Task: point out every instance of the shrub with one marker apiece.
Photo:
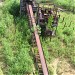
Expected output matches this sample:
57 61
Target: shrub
67 31
15 41
22 61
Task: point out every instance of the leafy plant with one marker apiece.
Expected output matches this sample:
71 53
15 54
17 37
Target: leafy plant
15 34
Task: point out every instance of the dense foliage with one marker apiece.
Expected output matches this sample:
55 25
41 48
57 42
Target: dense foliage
68 4
62 45
15 36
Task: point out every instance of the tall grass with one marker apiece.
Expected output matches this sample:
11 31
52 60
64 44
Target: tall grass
68 4
15 35
62 45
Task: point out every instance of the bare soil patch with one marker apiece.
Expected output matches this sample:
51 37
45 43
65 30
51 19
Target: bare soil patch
62 67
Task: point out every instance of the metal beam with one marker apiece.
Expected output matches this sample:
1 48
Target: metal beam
42 58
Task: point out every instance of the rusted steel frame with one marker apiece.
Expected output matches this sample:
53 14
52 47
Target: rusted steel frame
30 22
42 59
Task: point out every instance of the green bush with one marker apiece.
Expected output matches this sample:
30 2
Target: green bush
68 4
68 31
15 39
8 52
22 61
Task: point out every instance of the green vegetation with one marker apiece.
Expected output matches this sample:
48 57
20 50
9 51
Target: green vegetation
50 20
68 4
15 36
62 45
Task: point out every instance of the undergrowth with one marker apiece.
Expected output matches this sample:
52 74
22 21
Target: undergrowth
61 45
67 4
15 35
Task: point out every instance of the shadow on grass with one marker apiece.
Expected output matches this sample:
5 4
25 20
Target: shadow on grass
14 9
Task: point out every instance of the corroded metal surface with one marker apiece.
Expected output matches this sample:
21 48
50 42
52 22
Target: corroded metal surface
42 59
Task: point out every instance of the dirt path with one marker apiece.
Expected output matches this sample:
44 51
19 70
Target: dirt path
65 68
53 66
62 67
1 3
1 72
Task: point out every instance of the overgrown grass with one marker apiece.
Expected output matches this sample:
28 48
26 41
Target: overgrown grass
15 35
62 45
68 4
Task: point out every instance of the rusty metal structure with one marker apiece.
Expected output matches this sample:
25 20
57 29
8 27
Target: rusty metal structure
46 12
29 7
39 14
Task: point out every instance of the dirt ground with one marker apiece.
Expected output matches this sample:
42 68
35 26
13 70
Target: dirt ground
62 67
1 2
